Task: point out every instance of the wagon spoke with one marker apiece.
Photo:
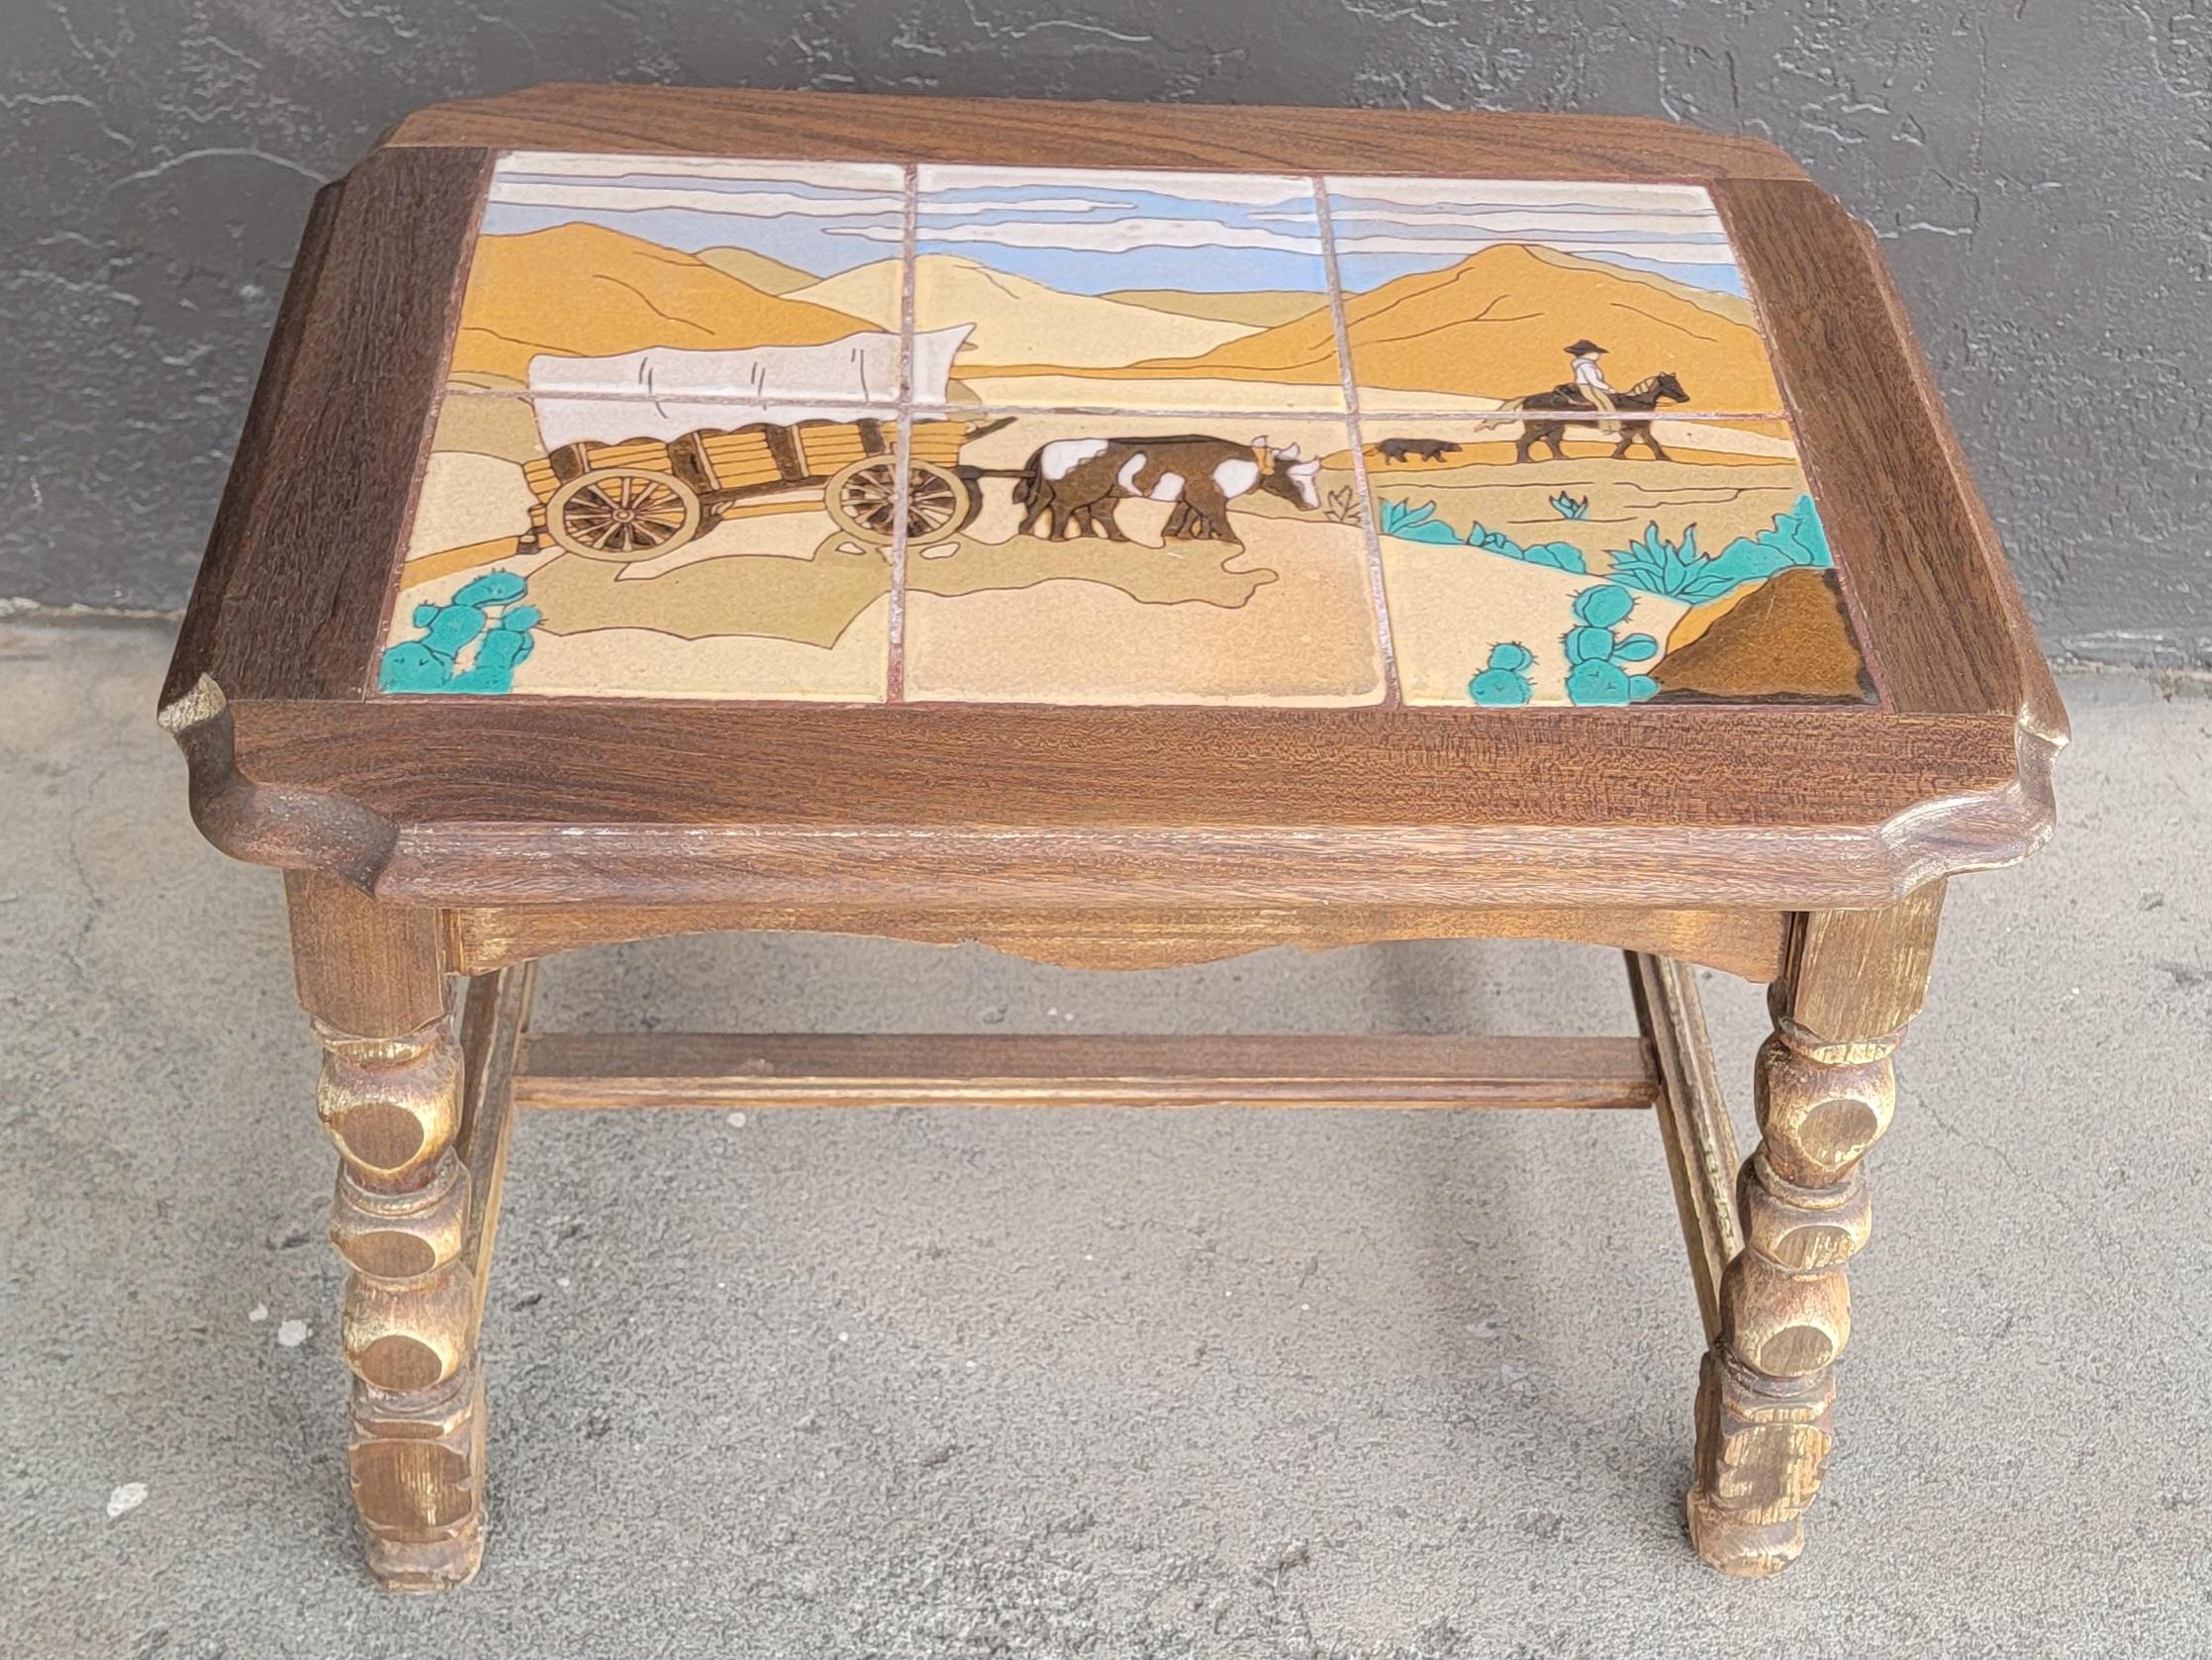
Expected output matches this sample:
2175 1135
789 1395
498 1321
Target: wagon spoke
932 502
871 498
622 513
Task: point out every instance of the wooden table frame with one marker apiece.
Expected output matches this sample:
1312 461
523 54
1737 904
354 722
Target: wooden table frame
420 1100
437 843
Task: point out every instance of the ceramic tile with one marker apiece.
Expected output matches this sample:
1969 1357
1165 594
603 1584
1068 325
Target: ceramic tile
1132 290
747 560
1467 295
1134 560
676 279
1704 576
669 369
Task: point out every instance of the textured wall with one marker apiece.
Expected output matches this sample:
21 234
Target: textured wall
2039 166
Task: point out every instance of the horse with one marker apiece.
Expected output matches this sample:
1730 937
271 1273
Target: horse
1647 394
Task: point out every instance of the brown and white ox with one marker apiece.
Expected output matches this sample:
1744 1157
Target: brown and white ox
1077 481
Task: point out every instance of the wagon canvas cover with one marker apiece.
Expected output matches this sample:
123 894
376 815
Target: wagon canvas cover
664 392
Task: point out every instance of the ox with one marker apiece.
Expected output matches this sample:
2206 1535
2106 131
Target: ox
1077 481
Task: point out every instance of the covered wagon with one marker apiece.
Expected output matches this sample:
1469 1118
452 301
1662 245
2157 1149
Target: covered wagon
648 449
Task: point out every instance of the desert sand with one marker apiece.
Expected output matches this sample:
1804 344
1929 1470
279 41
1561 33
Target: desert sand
784 606
1285 621
1724 496
1017 321
1306 637
1450 603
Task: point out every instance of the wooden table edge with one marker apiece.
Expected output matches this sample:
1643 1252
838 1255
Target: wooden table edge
461 861
1993 820
2042 712
592 117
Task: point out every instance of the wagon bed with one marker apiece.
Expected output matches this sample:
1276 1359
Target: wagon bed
609 496
642 496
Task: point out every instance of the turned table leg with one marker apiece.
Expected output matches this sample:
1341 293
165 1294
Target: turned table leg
391 1095
1824 1093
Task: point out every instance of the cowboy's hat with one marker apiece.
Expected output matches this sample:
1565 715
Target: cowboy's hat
1585 348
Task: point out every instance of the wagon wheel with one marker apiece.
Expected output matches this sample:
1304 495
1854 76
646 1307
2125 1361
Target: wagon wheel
864 500
623 513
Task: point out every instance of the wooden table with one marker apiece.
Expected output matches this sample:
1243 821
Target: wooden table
1125 537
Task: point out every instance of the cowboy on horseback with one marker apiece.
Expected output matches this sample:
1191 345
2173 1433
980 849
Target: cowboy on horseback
1589 381
1546 416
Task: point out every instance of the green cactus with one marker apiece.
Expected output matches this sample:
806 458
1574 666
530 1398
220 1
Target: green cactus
1415 523
1505 682
1679 570
1596 654
483 614
1559 555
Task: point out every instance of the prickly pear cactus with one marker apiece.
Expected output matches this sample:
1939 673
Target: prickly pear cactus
483 614
1597 655
1505 681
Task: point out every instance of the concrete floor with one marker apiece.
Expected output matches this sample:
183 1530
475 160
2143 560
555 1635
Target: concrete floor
1091 1381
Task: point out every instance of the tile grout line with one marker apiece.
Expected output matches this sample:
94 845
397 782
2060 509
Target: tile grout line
1478 417
902 450
1377 597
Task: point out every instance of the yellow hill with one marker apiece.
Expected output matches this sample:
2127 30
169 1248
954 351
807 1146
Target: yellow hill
585 291
771 276
870 291
1262 308
1493 326
1019 321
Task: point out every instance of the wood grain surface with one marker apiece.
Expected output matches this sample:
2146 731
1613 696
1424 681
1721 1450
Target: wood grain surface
496 803
457 801
1919 564
716 1069
1252 138
1746 943
291 594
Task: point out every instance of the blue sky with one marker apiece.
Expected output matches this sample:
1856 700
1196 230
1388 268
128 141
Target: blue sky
1091 231
806 214
1106 231
1386 228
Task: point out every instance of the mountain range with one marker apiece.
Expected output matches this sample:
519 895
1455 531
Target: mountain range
1491 326
1496 326
584 291
1021 321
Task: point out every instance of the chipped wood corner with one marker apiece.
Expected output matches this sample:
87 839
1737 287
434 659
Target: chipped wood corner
287 826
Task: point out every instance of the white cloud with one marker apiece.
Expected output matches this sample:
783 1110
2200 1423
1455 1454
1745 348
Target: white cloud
756 204
828 175
1113 237
1029 204
743 203
1506 222
1246 189
1533 193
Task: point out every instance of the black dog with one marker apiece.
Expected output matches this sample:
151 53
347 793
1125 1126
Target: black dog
1416 449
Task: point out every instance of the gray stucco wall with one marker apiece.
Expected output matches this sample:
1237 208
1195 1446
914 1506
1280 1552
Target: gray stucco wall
2039 166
